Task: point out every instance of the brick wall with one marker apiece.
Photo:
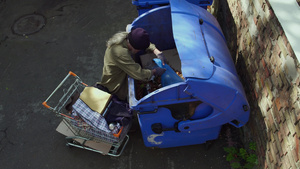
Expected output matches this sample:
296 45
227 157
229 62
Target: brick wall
269 71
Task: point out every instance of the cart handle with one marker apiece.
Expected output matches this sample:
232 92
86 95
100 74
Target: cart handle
46 105
72 73
118 134
61 83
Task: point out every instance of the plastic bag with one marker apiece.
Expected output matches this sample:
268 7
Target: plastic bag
170 76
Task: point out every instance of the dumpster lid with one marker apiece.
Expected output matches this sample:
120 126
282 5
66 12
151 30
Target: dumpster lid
190 39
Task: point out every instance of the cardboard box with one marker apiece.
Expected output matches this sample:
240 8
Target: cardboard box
65 129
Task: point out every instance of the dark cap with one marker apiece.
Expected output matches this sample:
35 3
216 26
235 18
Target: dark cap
139 39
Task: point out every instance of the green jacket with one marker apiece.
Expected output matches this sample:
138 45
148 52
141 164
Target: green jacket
118 65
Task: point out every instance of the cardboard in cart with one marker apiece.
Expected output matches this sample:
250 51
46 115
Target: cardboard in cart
65 129
96 99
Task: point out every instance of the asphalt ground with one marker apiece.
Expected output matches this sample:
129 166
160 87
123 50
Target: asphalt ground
72 38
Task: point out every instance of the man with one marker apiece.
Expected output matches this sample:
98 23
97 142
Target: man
118 61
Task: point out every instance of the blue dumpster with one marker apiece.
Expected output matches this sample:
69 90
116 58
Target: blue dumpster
146 5
191 111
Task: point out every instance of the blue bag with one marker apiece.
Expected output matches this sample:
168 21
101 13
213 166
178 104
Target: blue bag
170 76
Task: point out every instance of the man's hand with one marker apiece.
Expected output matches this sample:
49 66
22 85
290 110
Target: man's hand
162 58
158 71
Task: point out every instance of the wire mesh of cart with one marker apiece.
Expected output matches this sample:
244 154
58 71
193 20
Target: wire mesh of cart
80 133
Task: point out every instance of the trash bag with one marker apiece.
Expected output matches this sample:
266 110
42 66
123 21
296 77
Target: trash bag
170 76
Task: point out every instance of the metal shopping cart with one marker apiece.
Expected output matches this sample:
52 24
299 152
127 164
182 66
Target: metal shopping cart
77 131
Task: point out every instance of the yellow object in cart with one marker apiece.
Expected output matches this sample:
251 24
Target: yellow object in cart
96 99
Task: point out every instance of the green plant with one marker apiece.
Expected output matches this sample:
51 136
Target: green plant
241 158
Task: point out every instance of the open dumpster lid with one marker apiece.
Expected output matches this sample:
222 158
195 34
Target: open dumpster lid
189 38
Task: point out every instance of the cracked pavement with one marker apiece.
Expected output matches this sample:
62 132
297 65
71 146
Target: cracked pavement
31 66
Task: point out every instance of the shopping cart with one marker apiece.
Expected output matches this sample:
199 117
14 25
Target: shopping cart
78 133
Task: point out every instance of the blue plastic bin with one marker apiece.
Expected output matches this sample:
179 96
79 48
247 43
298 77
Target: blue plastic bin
192 111
146 5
